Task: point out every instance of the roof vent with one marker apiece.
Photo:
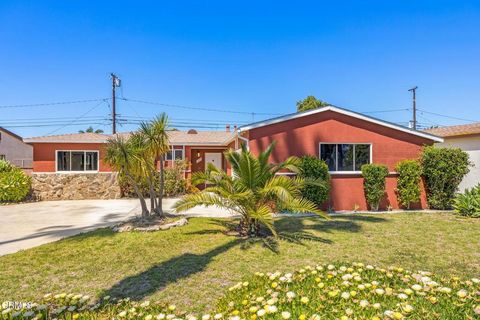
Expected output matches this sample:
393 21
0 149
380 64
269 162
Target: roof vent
192 131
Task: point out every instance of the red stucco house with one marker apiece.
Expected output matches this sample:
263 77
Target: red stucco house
71 166
345 140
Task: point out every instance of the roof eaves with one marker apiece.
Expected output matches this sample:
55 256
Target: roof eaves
342 111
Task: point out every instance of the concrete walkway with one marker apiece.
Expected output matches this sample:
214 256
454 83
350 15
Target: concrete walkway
27 225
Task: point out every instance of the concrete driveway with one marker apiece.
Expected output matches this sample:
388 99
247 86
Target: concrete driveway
27 225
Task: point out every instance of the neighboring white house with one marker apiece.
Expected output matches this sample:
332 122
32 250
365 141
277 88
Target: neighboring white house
467 138
14 150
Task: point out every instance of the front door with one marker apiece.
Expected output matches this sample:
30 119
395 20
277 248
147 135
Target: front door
214 158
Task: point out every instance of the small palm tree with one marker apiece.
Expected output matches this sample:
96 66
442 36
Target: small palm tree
155 136
254 191
122 156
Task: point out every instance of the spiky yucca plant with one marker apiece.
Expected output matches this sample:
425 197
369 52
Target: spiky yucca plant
253 191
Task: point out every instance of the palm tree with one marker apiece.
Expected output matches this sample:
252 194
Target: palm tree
156 139
144 165
91 130
254 190
121 156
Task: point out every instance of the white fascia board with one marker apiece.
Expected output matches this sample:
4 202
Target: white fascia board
341 111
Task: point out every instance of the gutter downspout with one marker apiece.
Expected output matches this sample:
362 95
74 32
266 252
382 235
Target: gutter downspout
244 139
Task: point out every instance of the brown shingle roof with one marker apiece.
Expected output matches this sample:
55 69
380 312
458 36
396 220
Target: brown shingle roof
220 138
453 131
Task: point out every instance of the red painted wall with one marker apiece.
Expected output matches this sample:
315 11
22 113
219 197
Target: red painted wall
44 154
301 136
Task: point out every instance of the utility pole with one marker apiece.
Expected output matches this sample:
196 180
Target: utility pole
115 83
414 120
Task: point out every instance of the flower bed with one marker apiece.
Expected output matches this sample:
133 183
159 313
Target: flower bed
355 291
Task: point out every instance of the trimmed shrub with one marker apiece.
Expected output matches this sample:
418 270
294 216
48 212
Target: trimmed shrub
175 183
374 183
468 203
408 182
315 170
15 185
443 169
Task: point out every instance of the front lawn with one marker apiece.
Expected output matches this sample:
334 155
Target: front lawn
193 266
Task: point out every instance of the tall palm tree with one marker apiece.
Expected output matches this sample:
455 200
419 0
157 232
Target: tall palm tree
156 139
121 155
254 191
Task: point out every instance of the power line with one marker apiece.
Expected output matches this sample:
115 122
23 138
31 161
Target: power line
209 109
78 118
51 103
446 116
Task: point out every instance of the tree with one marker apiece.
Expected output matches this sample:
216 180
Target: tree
122 156
254 190
90 130
157 145
310 103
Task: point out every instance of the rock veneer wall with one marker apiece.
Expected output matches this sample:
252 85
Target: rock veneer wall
75 186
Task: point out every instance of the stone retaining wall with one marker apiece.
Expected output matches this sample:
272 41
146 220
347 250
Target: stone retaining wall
75 186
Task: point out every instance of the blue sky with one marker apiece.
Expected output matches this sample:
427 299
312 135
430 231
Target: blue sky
249 56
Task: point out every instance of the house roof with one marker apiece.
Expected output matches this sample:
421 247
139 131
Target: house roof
11 133
86 137
344 112
455 131
214 138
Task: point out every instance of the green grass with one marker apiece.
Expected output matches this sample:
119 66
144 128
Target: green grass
192 266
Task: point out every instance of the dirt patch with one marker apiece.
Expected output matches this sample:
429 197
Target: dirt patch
149 225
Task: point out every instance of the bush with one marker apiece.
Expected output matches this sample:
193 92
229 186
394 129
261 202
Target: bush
468 203
374 183
15 185
443 169
333 291
312 168
175 183
408 182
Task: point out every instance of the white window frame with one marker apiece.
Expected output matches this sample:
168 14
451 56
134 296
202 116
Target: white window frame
172 149
336 155
84 165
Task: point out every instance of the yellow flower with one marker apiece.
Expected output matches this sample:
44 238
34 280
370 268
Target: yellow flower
75 316
172 307
462 294
302 317
432 299
304 300
274 285
397 316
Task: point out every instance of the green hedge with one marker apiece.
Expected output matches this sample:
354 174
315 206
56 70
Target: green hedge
374 183
443 169
15 185
408 182
315 170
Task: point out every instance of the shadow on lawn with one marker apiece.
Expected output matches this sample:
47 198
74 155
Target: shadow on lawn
292 230
138 286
